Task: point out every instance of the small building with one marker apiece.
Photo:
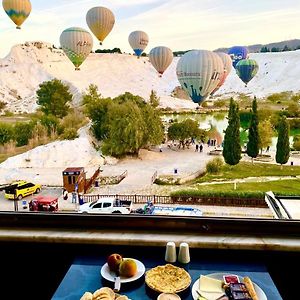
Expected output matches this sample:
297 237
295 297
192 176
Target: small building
74 179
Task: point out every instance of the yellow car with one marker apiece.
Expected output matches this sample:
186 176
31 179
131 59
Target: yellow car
21 189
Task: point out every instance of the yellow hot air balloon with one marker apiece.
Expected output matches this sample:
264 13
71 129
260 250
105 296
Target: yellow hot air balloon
199 72
101 21
161 57
77 43
17 10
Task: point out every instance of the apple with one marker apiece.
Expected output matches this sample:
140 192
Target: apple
128 268
114 261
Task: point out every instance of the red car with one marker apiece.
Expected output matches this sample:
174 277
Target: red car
44 203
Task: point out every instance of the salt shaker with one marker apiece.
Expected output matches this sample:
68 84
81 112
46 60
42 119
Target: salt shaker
170 255
184 253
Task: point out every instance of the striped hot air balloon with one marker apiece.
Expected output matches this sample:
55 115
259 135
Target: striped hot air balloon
161 57
17 10
238 53
138 41
77 44
227 63
246 69
101 21
199 73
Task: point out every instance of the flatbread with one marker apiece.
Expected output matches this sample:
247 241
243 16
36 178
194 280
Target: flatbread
168 279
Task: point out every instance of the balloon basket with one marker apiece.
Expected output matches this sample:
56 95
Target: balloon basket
18 27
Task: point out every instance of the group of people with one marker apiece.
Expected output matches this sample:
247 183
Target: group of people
199 148
211 142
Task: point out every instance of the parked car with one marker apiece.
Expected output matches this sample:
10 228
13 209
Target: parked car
20 189
107 205
44 203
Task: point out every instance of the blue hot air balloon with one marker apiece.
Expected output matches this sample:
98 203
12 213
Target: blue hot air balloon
238 53
246 69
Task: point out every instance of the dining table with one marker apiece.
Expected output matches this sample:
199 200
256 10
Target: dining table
84 274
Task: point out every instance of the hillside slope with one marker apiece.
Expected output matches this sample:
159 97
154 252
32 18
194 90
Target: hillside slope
31 63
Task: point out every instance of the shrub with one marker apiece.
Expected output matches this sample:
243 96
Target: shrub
22 133
225 194
70 134
296 143
214 166
6 133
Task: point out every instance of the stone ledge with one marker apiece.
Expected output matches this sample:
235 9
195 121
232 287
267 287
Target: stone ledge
114 237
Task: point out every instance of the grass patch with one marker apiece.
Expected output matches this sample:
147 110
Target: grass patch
244 190
246 169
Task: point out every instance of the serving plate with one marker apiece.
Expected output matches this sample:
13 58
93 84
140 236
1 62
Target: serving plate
260 293
107 274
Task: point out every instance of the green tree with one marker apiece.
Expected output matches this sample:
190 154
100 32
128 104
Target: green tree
283 144
6 133
126 130
253 136
154 129
22 133
96 108
232 148
154 100
92 95
184 132
54 97
265 132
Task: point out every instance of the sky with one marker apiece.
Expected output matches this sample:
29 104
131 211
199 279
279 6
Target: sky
177 24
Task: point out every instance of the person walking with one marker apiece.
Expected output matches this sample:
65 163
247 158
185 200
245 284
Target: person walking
197 146
201 147
65 194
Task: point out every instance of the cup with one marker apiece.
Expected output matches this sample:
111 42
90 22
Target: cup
170 255
184 253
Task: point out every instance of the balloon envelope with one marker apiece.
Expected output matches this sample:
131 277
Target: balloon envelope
247 69
227 63
101 21
138 41
17 10
199 73
238 53
161 57
77 43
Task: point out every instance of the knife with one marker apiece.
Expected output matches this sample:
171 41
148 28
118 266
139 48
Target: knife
117 281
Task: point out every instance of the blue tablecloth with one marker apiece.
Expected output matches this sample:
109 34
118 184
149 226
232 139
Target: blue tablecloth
84 275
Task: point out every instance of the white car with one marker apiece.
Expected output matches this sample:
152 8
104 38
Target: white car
108 205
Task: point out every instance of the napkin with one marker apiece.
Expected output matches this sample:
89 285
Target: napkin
210 288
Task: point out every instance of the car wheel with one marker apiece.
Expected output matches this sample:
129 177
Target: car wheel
20 197
37 190
116 212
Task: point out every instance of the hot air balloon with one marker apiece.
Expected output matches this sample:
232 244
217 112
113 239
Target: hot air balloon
161 57
138 41
246 69
227 63
199 73
77 43
101 21
238 53
17 10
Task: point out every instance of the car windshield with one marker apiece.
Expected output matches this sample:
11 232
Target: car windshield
92 203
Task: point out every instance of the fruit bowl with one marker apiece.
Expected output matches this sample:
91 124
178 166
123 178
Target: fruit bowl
109 275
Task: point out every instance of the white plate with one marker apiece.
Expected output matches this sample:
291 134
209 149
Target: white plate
260 293
110 276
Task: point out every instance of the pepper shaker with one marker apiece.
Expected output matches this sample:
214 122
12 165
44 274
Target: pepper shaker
184 253
170 255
